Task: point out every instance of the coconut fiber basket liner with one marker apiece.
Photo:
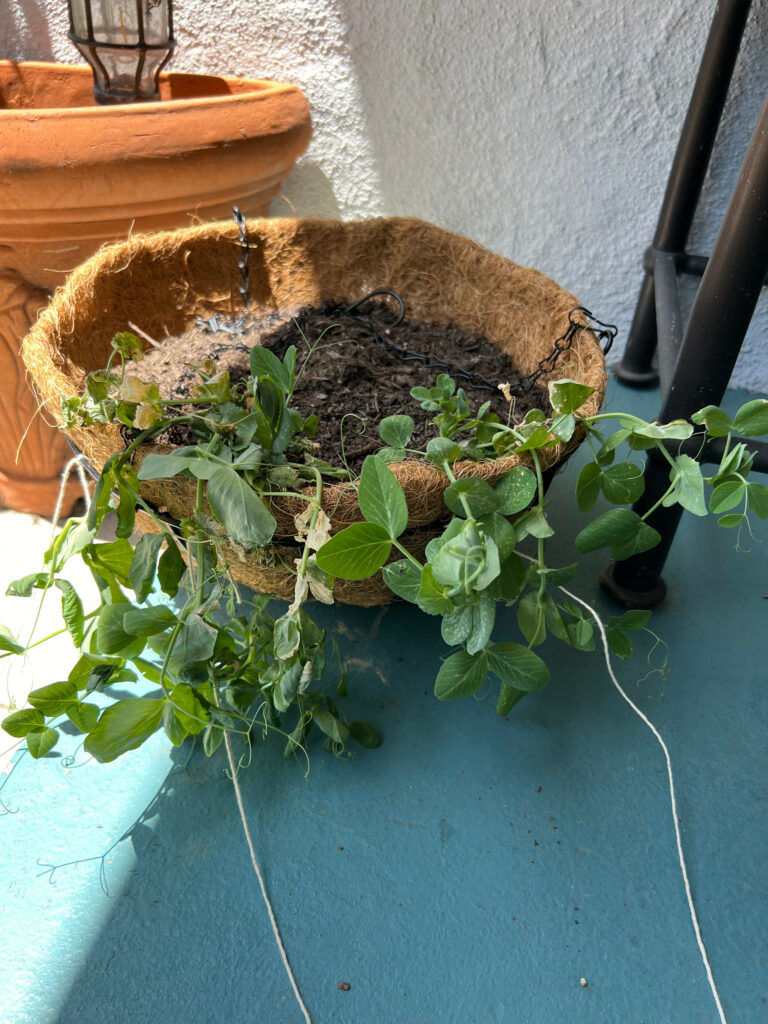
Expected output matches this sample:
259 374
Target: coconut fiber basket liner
161 282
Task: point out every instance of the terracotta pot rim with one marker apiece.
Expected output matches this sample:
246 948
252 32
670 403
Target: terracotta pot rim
258 87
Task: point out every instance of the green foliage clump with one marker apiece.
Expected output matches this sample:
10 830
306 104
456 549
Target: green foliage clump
170 612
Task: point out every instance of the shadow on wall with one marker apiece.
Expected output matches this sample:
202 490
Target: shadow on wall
25 31
312 191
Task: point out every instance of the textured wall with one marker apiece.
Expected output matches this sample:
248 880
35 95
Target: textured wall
544 131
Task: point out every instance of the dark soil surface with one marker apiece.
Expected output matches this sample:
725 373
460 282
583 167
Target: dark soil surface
349 372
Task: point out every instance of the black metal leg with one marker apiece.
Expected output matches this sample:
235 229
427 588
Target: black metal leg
686 178
721 314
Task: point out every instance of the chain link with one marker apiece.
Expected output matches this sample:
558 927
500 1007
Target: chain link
234 325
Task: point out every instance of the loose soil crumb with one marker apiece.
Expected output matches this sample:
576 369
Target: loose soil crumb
348 373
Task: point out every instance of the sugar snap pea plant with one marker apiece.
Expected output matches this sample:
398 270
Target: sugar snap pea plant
475 562
170 612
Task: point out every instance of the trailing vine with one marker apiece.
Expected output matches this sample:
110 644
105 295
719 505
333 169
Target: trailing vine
169 610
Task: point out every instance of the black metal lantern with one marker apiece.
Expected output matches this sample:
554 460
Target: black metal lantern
126 42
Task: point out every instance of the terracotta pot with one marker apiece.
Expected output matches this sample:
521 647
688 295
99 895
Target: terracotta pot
74 175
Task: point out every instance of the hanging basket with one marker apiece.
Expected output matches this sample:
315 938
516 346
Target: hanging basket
162 282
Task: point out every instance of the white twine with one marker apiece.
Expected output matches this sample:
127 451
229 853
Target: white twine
672 798
75 463
257 869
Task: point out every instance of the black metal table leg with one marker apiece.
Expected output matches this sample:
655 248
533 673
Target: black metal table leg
686 179
721 314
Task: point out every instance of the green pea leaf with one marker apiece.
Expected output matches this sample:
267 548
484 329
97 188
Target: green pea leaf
483 618
287 636
381 497
364 733
391 454
534 523
72 611
757 495
509 584
9 643
332 727
356 552
74 538
403 578
170 568
141 571
501 531
619 644
54 699
288 686
457 625
40 741
396 431
516 490
588 486
622 483
460 675
83 715
752 419
558 577
536 436
82 674
727 495
22 722
517 666
442 449
195 642
148 621
266 364
23 587
114 559
239 509
124 726
111 635
564 426
126 513
730 463
630 621
212 738
189 710
531 618
677 430
717 422
688 489
621 530
607 452
479 496
508 697
567 396
731 521
432 597
164 467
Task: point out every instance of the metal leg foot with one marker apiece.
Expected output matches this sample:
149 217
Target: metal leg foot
631 598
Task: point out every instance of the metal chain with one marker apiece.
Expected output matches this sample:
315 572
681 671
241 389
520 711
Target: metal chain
602 332
476 381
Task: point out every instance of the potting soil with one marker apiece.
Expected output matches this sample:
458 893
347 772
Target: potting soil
350 382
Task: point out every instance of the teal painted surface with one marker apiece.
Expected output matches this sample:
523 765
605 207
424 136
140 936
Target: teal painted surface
470 869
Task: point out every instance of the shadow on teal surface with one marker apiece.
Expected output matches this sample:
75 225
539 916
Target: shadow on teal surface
471 869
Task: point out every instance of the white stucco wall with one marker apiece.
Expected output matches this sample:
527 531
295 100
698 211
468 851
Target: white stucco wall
544 130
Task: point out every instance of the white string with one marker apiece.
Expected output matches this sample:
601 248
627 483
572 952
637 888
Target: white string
672 798
257 869
76 463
